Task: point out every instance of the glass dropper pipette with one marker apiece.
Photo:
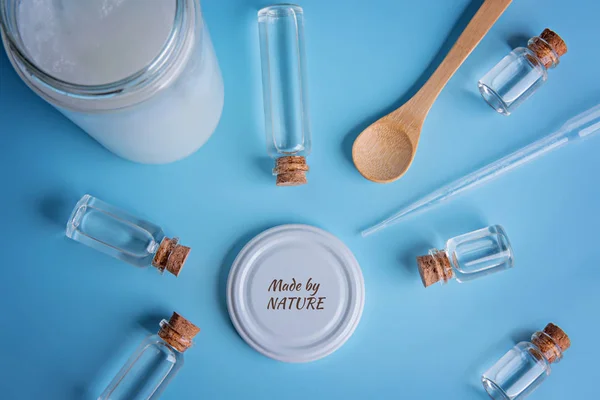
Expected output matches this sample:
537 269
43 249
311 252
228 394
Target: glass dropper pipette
583 125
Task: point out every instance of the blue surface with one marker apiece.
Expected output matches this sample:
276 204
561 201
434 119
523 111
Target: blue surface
71 316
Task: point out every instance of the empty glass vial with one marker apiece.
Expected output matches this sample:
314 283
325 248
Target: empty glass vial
124 236
520 371
156 361
283 61
522 72
467 257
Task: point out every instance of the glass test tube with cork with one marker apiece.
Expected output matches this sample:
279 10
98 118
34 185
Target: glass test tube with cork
283 62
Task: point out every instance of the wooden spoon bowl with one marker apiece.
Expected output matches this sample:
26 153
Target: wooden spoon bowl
385 150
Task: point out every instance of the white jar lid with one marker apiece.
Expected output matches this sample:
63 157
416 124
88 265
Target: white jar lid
295 293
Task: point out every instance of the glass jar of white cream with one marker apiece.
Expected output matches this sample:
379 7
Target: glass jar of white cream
141 77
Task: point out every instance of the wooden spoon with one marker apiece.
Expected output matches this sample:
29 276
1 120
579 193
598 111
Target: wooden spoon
383 152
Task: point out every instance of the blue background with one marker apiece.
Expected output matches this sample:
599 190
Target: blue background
71 316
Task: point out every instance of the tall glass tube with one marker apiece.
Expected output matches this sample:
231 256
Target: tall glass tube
283 60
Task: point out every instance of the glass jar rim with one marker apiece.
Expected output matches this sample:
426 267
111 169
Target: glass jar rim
149 74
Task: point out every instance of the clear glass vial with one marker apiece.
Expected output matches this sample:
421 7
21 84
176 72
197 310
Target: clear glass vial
520 371
154 364
468 257
283 61
113 231
518 75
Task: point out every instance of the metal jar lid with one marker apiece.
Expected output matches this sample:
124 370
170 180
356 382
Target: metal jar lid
295 293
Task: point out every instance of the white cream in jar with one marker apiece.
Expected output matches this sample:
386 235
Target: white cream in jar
140 76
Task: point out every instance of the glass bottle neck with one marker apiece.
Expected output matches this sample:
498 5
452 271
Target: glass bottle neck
173 338
547 346
169 255
543 52
161 252
168 344
443 265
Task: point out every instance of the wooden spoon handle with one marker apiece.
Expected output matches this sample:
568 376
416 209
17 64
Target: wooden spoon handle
482 21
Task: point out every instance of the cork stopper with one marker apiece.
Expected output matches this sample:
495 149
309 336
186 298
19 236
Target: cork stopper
178 332
291 171
555 41
548 47
434 267
552 342
170 256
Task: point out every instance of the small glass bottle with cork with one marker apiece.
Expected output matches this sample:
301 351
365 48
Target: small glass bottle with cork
468 257
156 361
520 371
136 241
518 75
283 61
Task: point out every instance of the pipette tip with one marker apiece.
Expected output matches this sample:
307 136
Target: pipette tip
372 230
